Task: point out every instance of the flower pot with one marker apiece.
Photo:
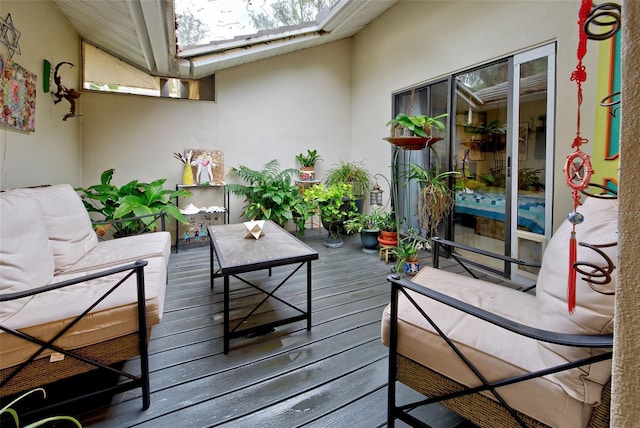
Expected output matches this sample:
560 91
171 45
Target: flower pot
413 142
307 173
411 267
388 238
369 239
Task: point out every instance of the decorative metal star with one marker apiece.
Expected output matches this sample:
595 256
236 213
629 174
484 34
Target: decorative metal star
9 36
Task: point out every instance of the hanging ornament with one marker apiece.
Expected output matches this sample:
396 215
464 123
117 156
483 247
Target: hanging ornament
577 169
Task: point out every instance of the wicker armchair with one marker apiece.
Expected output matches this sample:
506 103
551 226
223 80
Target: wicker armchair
501 357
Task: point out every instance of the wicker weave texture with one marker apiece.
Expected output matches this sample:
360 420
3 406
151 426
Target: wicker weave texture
41 371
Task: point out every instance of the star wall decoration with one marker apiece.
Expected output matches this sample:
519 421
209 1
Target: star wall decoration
9 36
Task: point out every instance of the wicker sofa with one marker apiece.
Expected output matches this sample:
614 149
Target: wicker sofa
69 303
501 357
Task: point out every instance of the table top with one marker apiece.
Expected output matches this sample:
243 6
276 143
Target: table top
237 254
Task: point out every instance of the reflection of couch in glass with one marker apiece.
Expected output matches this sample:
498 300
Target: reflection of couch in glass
502 357
489 202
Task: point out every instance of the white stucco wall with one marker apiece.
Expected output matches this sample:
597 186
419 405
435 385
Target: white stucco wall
418 41
53 153
270 109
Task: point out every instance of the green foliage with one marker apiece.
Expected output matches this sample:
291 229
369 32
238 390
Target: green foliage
9 410
407 249
360 222
131 200
435 199
494 127
287 12
420 125
309 159
353 173
270 193
388 221
335 201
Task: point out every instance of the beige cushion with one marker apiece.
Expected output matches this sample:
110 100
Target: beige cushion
115 252
68 224
116 316
26 258
496 352
594 311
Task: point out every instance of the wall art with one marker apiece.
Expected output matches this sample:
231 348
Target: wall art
18 94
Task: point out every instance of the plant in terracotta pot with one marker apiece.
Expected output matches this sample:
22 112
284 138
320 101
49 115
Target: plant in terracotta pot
336 205
307 164
388 229
414 132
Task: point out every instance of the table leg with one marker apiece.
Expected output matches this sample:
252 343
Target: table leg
226 314
212 272
309 295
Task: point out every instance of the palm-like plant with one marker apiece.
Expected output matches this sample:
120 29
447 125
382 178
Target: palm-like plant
134 199
270 193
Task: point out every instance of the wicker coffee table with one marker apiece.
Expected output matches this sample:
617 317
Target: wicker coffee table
236 254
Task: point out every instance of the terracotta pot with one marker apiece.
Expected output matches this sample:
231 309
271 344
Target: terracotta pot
412 143
388 238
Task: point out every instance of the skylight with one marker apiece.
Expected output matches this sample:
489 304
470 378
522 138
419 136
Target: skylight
211 22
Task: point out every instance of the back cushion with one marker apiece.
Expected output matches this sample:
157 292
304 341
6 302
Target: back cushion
26 258
68 224
594 311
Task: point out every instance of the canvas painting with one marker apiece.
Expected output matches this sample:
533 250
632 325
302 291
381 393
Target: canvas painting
18 94
207 165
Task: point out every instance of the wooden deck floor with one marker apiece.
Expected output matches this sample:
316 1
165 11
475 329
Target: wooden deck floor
332 376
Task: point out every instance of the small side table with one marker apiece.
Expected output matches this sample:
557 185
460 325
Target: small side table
384 251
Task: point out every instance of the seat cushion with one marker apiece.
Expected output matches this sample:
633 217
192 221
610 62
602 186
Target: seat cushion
594 311
114 252
496 352
47 313
26 258
68 224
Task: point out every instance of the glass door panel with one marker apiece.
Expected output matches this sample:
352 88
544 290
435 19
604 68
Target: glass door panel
532 157
481 212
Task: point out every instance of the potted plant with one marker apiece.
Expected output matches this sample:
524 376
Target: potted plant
435 198
493 135
307 164
133 200
406 253
270 193
415 132
388 229
336 205
368 225
353 173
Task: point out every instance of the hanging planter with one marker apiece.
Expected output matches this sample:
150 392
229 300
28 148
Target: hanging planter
412 142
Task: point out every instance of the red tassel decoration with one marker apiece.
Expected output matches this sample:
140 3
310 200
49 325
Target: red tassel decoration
571 286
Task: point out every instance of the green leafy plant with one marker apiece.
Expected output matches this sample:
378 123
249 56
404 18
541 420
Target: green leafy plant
353 173
309 159
12 412
302 211
270 193
388 221
335 202
435 199
407 250
420 125
496 126
134 199
361 222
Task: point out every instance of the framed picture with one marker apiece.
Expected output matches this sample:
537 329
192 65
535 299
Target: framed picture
523 140
18 93
207 165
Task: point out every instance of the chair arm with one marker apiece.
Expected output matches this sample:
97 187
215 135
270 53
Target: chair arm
136 266
437 242
567 339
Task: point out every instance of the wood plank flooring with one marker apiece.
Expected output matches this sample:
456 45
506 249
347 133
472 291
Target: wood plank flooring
334 375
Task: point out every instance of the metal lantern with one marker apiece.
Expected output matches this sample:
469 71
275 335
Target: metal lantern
375 196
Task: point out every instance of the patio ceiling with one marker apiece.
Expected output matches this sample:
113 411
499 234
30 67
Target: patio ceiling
141 33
